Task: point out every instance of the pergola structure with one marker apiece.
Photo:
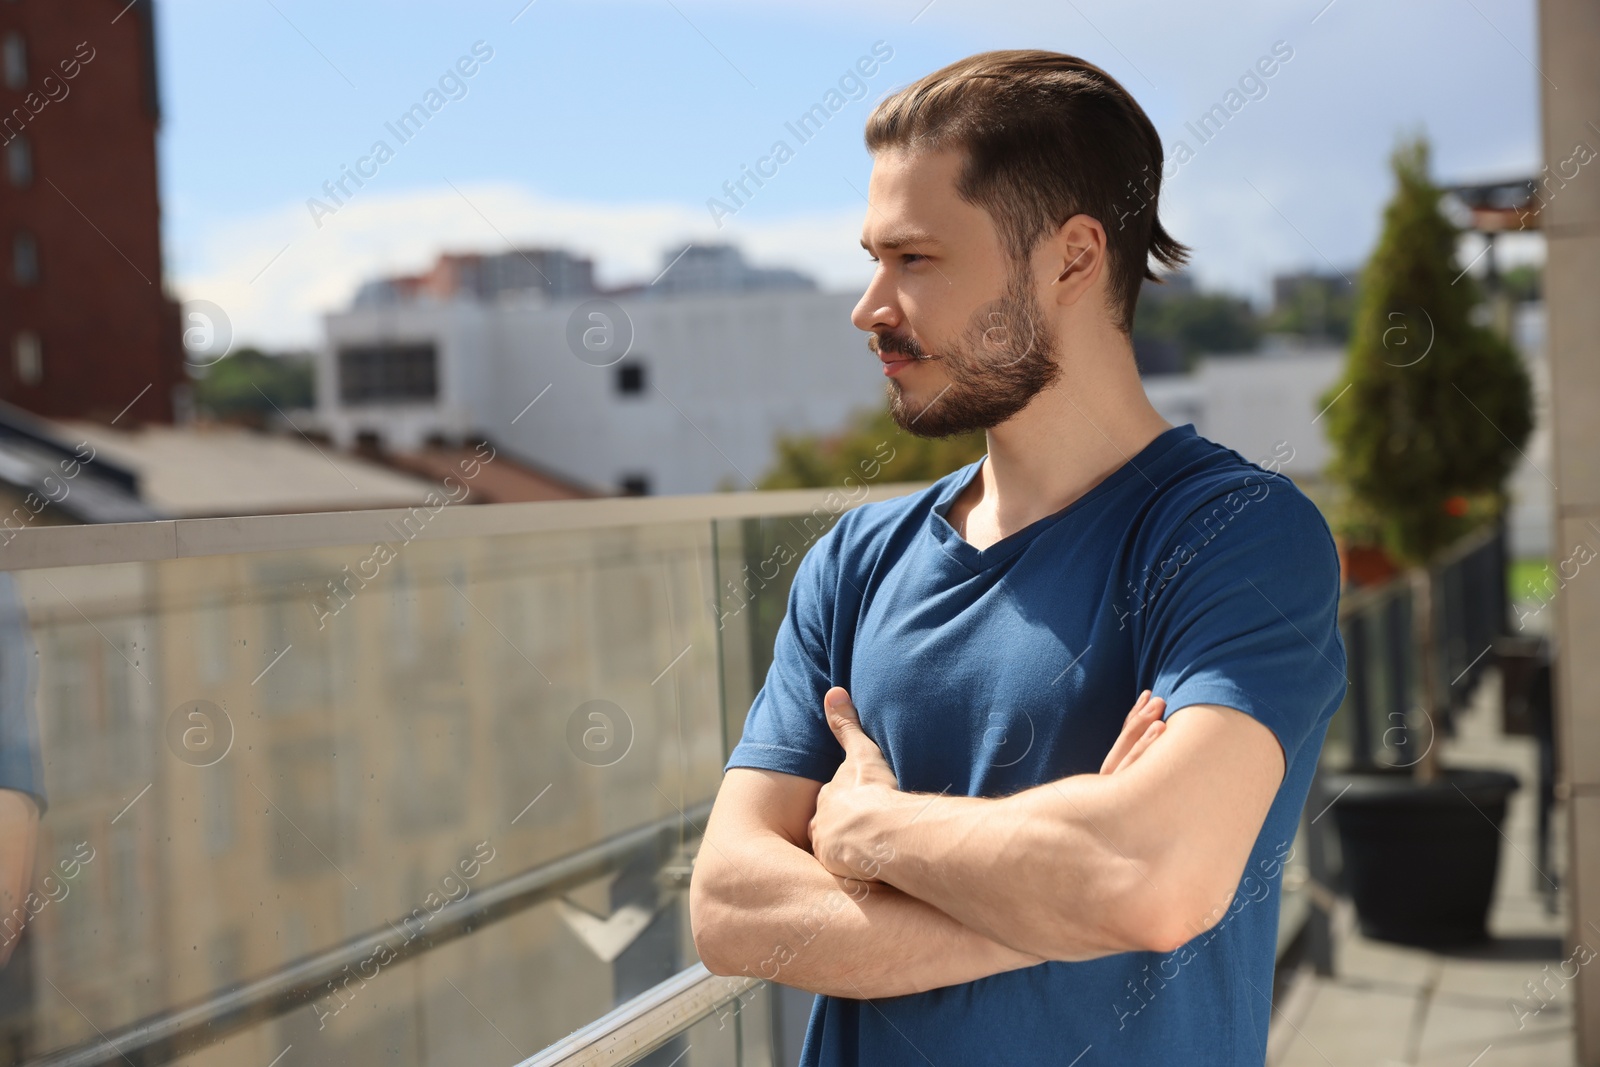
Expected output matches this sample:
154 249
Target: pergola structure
1509 206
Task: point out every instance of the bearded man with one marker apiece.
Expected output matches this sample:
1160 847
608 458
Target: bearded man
942 816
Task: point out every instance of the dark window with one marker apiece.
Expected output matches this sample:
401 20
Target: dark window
28 357
15 61
630 379
635 484
387 373
19 162
24 258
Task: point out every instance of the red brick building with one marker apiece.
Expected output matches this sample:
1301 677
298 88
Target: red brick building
86 327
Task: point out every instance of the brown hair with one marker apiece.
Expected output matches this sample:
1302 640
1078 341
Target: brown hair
1047 136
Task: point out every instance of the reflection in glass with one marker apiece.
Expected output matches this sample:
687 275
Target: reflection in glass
388 729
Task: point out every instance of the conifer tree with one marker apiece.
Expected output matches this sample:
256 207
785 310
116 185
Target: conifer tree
1433 409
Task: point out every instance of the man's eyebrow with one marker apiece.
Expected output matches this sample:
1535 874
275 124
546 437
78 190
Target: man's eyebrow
903 238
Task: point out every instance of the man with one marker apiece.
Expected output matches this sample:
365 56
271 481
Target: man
942 816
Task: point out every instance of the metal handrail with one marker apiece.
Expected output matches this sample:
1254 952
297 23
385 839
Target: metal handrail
169 1034
638 1027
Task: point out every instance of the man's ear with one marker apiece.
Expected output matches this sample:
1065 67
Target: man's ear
1080 248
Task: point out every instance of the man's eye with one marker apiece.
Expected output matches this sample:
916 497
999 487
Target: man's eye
909 256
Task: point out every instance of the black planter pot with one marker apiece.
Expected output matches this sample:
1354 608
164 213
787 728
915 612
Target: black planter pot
1420 861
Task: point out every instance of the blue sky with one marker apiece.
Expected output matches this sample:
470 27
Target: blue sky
605 126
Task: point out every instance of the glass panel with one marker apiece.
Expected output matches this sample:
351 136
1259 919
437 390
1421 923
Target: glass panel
756 561
714 1041
252 759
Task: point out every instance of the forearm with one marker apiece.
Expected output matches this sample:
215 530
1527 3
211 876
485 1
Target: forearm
1143 857
1054 870
775 913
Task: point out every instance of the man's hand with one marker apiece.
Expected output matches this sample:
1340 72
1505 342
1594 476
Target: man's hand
861 787
864 786
1142 726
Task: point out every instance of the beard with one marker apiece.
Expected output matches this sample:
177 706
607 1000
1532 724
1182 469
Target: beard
1001 361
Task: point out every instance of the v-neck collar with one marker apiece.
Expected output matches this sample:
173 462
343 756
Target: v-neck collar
976 559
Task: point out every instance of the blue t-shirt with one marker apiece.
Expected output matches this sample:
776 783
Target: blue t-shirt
1188 571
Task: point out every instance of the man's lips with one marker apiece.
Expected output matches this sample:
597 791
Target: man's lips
894 364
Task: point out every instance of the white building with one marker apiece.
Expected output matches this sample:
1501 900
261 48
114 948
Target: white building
683 388
1262 405
674 394
1268 404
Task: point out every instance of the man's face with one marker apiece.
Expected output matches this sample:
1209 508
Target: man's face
965 341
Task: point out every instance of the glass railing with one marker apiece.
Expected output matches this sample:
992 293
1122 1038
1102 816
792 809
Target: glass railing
377 787
397 787
1377 725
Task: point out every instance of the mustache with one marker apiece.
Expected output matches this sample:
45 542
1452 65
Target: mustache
896 345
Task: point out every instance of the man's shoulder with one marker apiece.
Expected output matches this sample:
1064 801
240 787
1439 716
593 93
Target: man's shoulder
879 516
1215 477
1215 484
863 533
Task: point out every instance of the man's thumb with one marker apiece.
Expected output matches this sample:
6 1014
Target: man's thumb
842 717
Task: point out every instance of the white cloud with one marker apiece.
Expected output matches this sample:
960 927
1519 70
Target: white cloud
277 302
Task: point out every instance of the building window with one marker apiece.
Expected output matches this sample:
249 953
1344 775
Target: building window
388 373
219 808
227 957
127 886
630 379
213 646
307 794
14 58
19 162
24 258
27 356
635 484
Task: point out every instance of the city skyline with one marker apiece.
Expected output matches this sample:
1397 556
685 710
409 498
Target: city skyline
673 103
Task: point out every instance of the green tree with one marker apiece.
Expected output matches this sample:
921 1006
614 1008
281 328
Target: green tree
870 442
1197 322
1431 413
245 386
1321 308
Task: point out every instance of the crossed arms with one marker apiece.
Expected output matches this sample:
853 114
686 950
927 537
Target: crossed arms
856 889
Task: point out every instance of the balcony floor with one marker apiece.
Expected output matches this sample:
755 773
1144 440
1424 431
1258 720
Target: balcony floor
1389 1004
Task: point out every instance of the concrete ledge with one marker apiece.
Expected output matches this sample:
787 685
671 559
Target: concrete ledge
127 542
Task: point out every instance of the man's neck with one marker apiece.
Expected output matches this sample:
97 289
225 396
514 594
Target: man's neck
1091 422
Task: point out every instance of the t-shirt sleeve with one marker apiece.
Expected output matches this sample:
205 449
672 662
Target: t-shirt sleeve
785 730
1248 618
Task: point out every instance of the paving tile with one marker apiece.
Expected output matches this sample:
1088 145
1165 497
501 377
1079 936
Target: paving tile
1358 957
1391 1005
1554 1049
1458 1027
1351 1024
1503 980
